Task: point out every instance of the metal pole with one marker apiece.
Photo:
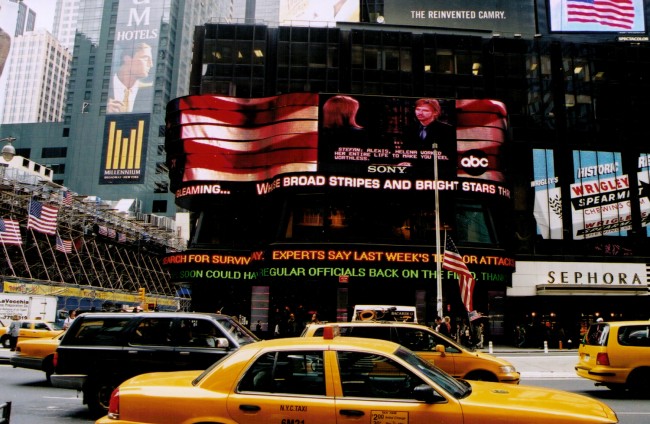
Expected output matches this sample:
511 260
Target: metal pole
438 256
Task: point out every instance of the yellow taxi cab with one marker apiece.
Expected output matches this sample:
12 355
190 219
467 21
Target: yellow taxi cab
617 355
428 345
30 329
36 354
334 379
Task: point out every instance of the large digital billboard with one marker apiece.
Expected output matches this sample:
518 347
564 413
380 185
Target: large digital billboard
597 16
305 12
225 145
490 15
600 194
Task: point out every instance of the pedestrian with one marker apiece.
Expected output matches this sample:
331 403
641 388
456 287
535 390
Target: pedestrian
14 332
68 320
479 336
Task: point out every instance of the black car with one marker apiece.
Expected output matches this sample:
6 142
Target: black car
101 350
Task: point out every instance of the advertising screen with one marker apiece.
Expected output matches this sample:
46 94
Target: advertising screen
225 145
125 149
596 16
325 11
490 15
134 57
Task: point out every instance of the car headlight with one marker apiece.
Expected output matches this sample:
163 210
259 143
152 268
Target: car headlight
507 369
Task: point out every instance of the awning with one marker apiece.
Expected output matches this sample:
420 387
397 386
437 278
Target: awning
591 290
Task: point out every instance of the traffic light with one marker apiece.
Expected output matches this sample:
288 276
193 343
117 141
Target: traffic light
141 292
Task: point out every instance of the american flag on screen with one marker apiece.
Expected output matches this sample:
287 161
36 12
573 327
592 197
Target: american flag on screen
42 218
610 13
231 139
453 261
10 232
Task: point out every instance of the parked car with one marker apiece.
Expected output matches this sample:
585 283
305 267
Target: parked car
36 354
30 329
101 350
338 379
617 355
429 345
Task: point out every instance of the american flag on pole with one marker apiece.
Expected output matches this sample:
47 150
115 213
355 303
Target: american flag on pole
67 198
611 13
9 232
42 217
453 261
64 246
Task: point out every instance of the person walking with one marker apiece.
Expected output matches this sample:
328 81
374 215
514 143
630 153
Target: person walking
14 332
71 316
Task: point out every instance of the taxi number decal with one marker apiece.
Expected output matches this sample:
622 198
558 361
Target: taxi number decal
389 417
292 421
293 408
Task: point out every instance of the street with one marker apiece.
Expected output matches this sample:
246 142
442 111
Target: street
33 400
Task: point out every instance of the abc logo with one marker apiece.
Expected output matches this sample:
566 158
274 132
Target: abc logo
474 162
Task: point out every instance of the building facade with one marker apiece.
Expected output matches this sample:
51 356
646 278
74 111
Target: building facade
37 78
575 218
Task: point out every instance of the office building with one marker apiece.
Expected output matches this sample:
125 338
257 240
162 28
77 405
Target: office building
551 220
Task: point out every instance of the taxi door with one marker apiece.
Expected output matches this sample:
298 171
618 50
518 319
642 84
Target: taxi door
424 342
286 387
377 390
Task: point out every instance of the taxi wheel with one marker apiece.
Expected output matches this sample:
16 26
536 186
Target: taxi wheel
481 376
97 396
639 380
48 367
6 342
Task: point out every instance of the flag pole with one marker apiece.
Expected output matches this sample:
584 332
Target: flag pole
437 214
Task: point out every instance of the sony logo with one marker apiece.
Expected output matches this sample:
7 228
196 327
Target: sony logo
387 169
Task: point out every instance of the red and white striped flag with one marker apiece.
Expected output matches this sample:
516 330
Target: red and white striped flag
453 261
42 218
67 197
611 13
10 232
64 246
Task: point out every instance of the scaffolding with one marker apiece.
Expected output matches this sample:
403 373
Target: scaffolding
96 248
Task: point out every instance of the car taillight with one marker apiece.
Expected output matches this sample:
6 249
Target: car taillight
602 359
114 405
55 359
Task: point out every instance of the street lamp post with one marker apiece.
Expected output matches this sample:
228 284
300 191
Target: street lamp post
8 151
437 214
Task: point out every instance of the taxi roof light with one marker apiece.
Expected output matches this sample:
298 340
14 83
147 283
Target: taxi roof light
331 331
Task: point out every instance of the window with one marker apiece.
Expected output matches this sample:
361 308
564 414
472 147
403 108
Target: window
374 376
159 206
295 372
637 335
153 332
197 333
54 152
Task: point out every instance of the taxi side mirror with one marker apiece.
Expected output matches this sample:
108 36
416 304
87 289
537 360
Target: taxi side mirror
426 394
440 348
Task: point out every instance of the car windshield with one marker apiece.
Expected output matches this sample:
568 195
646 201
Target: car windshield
457 388
238 332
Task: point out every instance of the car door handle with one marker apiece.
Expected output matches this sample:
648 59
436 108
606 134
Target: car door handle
351 412
249 408
183 352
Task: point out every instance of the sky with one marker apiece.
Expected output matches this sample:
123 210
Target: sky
44 12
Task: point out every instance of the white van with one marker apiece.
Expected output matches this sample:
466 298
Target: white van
384 313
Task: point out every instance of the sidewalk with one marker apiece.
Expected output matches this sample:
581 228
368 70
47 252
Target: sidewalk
531 363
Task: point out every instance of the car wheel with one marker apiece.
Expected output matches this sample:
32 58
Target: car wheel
97 395
6 342
639 380
481 376
48 368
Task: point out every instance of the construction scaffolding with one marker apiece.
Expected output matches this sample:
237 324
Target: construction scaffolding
101 251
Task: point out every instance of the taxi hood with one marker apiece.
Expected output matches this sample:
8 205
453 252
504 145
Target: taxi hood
543 404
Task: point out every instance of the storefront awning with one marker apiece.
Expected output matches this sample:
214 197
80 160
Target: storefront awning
588 290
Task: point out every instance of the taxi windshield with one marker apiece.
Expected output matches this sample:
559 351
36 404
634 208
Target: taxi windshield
454 387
